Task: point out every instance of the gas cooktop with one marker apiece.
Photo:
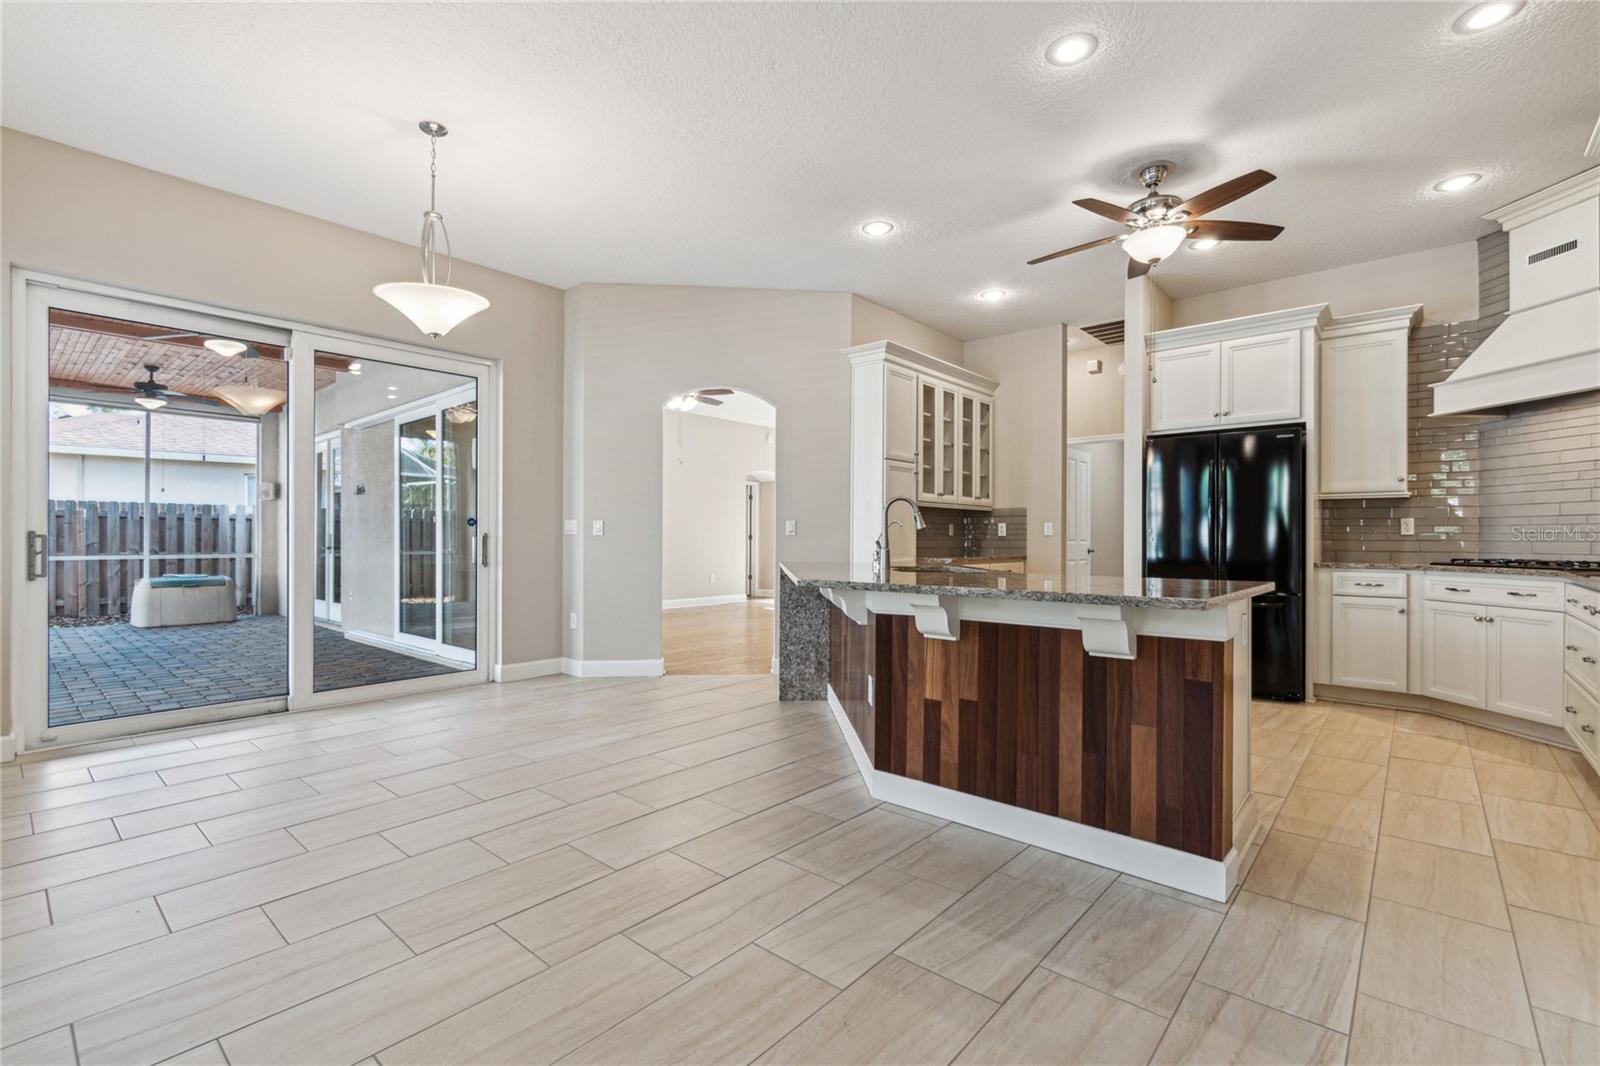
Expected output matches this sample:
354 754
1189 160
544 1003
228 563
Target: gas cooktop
1571 566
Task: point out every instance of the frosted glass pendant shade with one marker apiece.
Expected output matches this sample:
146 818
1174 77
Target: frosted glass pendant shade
434 309
253 400
1154 244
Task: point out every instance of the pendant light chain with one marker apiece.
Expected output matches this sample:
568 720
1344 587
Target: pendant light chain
431 218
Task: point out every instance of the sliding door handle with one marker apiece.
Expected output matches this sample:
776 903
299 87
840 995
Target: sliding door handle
483 551
35 555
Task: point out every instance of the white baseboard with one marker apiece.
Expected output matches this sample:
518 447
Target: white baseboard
762 594
613 667
506 673
375 640
8 747
1152 862
702 601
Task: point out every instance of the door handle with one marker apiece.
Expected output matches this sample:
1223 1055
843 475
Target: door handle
35 555
483 552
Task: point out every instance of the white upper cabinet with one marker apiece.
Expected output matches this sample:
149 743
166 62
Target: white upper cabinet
900 414
1365 398
1186 388
1261 379
1240 372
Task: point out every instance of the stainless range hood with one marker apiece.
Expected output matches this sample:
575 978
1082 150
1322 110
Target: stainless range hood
1549 344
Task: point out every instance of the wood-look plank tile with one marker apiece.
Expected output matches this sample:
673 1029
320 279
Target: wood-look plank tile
530 836
1386 1034
1299 960
127 803
1440 879
40 778
72 795
209 1054
730 1013
1541 825
751 840
50 842
202 1009
1313 873
87 988
381 765
841 801
1567 1041
91 862
957 857
253 759
21 914
1561 963
383 1008
195 811
377 817
447 913
845 934
994 936
851 848
562 927
164 875
545 1016
896 1012
450 772
1138 946
47 1049
1053 1019
1060 873
185 907
169 759
650 834
1456 783
771 787
580 787
12 827
51 947
708 927
1216 1026
259 819
474 820
530 775
1548 881
1452 969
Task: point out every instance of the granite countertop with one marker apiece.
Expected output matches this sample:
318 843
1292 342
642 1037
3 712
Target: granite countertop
1586 580
1033 585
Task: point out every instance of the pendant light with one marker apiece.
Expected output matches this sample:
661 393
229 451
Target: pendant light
432 307
252 400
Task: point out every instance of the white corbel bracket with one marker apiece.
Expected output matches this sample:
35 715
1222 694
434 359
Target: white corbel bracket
1108 630
937 617
853 602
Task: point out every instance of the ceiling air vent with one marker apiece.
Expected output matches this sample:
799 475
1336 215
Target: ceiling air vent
1551 253
1106 332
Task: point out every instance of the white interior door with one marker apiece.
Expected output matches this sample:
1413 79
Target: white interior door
1080 472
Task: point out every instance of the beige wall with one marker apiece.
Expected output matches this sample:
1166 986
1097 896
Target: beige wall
704 465
870 322
1094 401
1443 280
767 541
1030 425
73 213
629 348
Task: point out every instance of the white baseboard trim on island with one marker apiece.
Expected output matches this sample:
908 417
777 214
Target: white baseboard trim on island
1140 858
506 673
613 667
702 601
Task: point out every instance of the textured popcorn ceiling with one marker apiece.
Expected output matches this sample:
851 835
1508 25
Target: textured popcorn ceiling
741 145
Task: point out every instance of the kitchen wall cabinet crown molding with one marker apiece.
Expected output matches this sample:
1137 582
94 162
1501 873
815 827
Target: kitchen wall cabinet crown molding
1364 370
922 362
1379 321
1312 316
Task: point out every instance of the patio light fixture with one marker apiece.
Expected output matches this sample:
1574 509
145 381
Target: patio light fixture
252 400
432 307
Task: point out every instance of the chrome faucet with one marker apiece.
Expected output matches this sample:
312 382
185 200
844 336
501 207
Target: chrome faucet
880 547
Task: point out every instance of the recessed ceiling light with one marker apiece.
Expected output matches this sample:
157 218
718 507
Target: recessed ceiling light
1073 48
993 296
877 228
224 346
1204 244
1487 16
1458 182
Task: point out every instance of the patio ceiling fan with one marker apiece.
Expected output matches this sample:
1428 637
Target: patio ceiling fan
1159 223
151 394
690 400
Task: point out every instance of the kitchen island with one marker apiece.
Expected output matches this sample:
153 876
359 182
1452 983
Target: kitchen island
1099 718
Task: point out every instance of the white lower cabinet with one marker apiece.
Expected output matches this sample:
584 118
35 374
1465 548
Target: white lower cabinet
1582 714
1455 639
1524 658
1369 642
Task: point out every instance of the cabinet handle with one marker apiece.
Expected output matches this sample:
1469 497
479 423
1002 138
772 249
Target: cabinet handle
1587 728
1522 595
1572 647
1455 588
1588 658
1369 584
1572 601
1571 709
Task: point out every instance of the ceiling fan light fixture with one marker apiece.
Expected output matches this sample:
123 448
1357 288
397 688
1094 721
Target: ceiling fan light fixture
1482 17
1154 243
150 403
1457 182
434 307
224 347
877 228
1204 244
1073 48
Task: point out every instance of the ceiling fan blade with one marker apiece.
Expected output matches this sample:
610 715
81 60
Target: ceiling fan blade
709 401
1105 210
1137 269
1075 248
1226 193
1221 230
713 392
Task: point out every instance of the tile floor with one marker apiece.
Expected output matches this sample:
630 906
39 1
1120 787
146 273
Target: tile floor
682 869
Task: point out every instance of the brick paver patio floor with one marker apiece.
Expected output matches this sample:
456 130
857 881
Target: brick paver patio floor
115 671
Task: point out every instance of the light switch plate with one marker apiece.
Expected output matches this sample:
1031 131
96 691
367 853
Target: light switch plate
1408 527
788 527
1000 529
572 620
598 529
1049 529
569 527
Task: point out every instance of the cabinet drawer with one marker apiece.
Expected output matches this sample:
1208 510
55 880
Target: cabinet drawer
1583 602
1583 654
1583 720
1368 583
1495 591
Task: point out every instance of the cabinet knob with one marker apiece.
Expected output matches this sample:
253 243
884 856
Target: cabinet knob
1216 414
1401 611
1587 728
1402 477
1489 619
1571 709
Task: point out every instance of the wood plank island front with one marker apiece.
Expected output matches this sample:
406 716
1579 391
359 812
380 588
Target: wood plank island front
1098 718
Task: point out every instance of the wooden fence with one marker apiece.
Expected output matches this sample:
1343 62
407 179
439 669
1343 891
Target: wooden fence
417 553
95 551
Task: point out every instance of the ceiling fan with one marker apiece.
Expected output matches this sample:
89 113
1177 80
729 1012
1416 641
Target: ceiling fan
151 394
1160 223
690 400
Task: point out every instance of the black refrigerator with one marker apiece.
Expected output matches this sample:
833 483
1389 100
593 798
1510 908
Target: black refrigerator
1231 506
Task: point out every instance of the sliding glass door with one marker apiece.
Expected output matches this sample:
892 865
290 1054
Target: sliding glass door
328 548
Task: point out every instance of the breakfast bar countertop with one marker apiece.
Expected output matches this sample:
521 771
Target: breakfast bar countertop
1039 586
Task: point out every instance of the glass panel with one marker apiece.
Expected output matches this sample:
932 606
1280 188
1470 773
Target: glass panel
968 439
947 442
161 597
403 496
928 448
322 524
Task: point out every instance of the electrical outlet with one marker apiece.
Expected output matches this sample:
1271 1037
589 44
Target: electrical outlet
572 620
1000 529
598 529
1049 529
1408 527
712 578
950 531
569 527
788 527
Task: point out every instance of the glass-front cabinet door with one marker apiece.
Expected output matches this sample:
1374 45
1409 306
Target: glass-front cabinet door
968 437
927 441
983 452
949 442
